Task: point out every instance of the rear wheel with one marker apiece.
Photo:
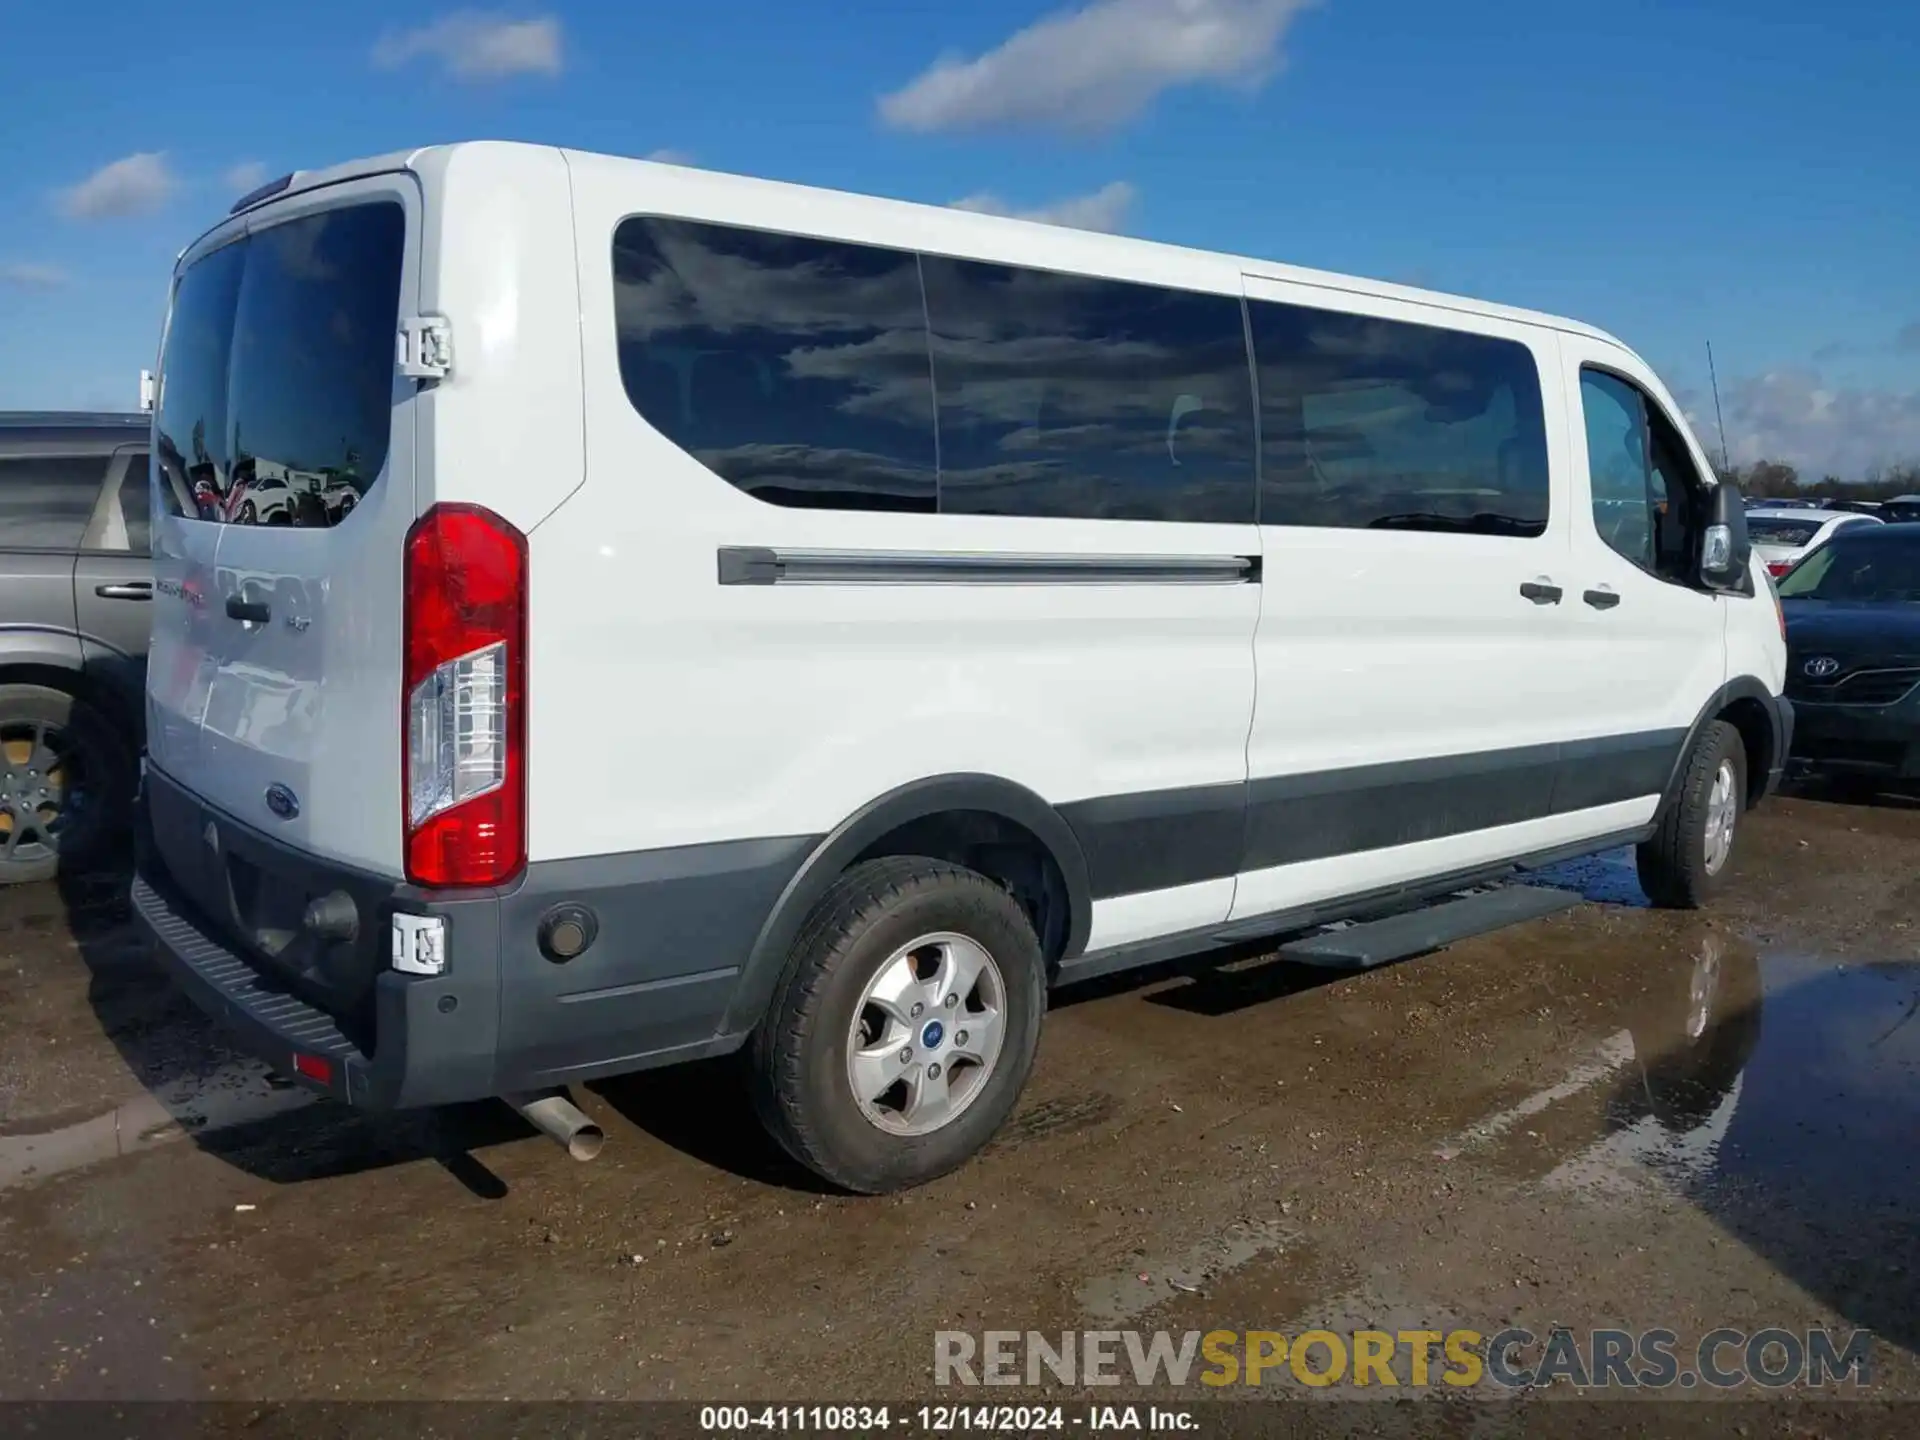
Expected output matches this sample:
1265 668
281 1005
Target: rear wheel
1686 858
904 1027
65 781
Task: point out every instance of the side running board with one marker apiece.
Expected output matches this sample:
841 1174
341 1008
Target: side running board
1377 942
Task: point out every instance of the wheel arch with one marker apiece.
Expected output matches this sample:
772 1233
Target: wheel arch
55 660
914 809
1751 708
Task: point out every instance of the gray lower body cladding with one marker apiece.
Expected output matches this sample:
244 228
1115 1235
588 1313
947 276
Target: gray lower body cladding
681 962
220 900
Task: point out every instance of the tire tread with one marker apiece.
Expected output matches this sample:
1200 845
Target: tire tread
835 925
1671 865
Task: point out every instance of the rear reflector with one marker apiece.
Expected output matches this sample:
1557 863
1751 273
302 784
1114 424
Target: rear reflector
313 1068
465 725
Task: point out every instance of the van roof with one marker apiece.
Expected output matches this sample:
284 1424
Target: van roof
798 197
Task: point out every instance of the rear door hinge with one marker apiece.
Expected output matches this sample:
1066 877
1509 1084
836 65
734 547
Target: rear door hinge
426 347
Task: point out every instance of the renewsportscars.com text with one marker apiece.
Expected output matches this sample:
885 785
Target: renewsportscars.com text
1512 1358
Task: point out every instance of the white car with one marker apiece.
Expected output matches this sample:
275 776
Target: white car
1782 535
791 622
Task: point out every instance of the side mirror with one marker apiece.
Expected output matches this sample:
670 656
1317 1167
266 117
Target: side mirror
1726 554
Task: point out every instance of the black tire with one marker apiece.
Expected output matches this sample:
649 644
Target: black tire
1673 861
798 1057
96 788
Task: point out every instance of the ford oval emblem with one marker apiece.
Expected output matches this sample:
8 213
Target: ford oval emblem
283 802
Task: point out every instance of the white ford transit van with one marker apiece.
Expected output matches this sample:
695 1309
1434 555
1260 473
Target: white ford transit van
719 615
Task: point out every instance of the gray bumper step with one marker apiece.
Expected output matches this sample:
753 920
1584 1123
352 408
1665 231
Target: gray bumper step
1377 942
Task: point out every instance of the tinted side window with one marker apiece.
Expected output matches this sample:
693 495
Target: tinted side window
136 504
795 369
1384 424
1067 396
45 503
1619 472
122 520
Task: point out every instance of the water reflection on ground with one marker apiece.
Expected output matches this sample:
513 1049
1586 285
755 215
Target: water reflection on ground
1819 1167
1782 1098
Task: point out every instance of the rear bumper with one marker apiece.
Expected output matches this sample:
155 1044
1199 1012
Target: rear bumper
427 1051
674 928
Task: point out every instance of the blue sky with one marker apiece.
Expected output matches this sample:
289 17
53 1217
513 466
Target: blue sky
1736 170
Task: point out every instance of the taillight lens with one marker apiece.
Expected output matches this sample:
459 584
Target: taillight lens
466 719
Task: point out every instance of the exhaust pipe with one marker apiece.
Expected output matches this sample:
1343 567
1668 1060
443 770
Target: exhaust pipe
558 1118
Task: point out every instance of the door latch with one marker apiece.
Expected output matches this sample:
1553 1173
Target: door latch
426 347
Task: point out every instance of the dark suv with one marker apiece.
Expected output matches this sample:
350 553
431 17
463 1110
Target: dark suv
74 590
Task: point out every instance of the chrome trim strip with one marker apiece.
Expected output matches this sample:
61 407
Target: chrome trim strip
756 565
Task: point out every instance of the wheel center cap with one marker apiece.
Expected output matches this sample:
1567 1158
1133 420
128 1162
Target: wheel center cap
932 1035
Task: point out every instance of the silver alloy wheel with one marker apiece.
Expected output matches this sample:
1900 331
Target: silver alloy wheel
1723 808
926 1034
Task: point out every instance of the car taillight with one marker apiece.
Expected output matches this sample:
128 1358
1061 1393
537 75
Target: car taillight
465 780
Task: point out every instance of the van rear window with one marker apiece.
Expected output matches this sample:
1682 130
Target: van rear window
277 385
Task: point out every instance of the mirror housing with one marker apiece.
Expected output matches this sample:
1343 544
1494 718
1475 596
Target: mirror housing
1726 554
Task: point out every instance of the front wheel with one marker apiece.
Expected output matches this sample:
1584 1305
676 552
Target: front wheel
1685 859
904 1027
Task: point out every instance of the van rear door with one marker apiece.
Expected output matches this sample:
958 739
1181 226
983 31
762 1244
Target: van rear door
277 669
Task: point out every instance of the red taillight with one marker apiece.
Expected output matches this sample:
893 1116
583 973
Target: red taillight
464 727
313 1068
1777 568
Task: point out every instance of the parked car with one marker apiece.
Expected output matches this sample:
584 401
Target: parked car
75 601
1853 656
1901 510
1781 536
817 624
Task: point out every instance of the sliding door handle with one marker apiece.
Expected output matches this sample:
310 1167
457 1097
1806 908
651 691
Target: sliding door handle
131 590
1541 592
1601 599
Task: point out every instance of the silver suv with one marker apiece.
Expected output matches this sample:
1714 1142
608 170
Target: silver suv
75 587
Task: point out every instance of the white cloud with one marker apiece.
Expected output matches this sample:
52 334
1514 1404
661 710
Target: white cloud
1098 66
30 276
474 45
1104 209
670 157
247 175
136 185
1819 429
